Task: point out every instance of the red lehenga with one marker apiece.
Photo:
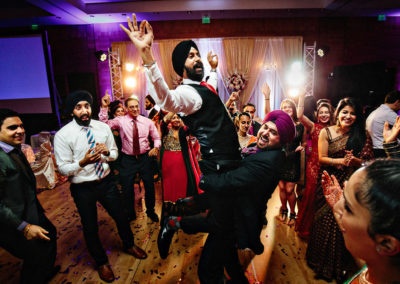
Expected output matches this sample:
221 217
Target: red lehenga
180 170
306 211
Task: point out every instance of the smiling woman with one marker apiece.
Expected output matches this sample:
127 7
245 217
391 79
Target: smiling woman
342 148
366 216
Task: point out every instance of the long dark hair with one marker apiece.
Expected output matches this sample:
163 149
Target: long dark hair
357 135
380 195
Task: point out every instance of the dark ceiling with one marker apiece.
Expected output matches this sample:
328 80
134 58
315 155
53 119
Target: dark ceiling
74 12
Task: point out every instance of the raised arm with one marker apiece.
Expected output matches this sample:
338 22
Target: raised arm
103 113
142 37
213 61
267 93
308 124
232 98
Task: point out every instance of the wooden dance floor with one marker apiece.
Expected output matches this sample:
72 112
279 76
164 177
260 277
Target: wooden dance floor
283 260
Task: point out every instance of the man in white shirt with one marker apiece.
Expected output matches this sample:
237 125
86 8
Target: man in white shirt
82 149
376 120
205 114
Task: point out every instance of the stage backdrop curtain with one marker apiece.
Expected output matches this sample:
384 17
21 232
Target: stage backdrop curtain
239 54
215 45
285 51
129 54
260 60
166 47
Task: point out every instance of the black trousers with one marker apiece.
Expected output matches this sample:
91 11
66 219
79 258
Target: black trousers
105 192
219 250
38 255
130 165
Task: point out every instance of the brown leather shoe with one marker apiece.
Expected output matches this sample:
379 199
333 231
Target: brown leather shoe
105 273
136 252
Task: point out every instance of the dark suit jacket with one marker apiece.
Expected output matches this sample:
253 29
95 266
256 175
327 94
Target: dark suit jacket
18 201
252 183
256 127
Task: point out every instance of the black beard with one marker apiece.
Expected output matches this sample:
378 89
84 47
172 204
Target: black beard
148 107
191 73
82 122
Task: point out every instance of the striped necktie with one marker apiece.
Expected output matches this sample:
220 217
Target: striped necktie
98 166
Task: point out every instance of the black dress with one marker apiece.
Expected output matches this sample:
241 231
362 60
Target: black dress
291 168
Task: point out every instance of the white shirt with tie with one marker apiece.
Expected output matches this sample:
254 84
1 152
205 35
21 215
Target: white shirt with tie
71 145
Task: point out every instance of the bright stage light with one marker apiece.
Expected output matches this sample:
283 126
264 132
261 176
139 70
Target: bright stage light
293 92
130 82
295 76
129 67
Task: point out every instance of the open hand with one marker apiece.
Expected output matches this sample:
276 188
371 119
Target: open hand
391 135
36 232
153 152
266 91
142 37
332 189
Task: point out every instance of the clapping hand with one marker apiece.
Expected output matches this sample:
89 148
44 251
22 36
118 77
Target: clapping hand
391 135
348 158
331 188
102 149
91 157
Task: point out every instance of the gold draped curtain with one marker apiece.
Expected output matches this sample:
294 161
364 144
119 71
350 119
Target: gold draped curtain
242 55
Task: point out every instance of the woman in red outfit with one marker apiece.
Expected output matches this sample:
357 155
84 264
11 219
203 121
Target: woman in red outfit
180 171
306 209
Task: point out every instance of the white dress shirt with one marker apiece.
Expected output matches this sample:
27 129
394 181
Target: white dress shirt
71 145
184 99
376 121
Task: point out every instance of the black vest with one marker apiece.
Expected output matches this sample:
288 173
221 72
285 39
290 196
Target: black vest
213 128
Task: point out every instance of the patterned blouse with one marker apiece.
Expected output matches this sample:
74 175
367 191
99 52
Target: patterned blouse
170 142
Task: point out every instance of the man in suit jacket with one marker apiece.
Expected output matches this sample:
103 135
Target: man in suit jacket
245 192
26 232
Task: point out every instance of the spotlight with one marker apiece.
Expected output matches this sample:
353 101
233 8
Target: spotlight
101 55
129 67
322 50
293 92
130 82
295 76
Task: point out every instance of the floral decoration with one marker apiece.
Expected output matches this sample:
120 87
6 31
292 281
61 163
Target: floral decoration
236 82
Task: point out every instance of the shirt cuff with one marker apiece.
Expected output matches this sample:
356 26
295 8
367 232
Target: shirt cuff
154 73
22 226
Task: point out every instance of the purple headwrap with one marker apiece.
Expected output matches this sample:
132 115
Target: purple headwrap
284 124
